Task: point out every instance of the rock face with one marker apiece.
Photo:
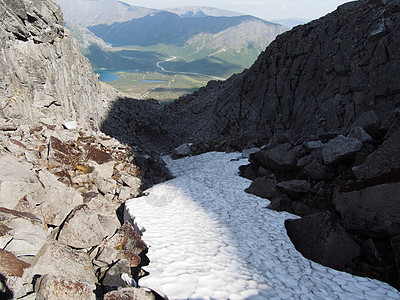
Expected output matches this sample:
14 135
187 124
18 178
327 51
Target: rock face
43 73
62 181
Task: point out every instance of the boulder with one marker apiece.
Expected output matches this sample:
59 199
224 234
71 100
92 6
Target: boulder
281 203
247 152
26 233
112 277
55 200
281 157
130 294
316 170
59 260
105 170
126 246
370 122
339 148
312 145
360 134
60 288
10 265
322 240
182 151
133 182
383 160
374 209
105 185
59 152
314 156
16 181
85 228
295 186
98 156
371 252
263 187
70 125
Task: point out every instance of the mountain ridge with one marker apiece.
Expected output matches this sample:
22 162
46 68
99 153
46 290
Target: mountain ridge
169 28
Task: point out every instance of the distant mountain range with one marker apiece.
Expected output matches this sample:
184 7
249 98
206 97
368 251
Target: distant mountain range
202 40
169 28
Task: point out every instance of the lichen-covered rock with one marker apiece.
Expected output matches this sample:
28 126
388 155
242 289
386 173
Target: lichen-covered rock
85 227
129 294
60 288
57 259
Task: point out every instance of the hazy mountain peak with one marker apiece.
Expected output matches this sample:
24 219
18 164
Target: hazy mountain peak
199 11
93 12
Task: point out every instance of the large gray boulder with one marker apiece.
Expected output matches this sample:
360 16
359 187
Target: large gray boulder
281 157
263 187
322 240
40 190
59 260
339 148
16 181
85 227
370 122
385 159
374 209
26 233
295 186
60 288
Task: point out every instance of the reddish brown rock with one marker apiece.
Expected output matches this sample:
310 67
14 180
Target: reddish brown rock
10 265
99 156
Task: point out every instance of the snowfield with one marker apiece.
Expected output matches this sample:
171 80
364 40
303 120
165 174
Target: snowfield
208 239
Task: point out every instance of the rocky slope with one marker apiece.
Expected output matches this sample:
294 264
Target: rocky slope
63 182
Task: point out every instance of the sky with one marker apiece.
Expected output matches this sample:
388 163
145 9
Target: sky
264 9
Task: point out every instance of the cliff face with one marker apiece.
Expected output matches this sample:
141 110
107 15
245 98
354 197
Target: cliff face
61 186
43 73
314 79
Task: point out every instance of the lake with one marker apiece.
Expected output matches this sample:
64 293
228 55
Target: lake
108 75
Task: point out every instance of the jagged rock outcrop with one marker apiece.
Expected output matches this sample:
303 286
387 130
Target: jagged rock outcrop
63 182
43 73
